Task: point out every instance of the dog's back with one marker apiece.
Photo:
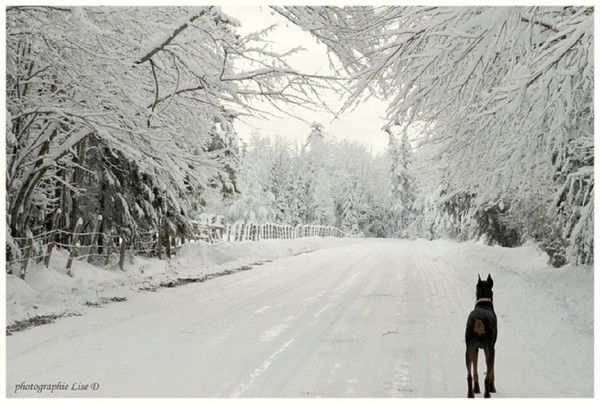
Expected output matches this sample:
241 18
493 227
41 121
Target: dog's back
481 327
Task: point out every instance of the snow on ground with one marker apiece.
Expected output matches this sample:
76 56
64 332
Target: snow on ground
49 291
363 318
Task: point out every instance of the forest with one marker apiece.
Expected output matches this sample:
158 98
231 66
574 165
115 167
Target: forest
130 113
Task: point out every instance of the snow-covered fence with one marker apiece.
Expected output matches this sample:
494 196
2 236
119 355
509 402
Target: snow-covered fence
103 248
250 231
208 227
96 247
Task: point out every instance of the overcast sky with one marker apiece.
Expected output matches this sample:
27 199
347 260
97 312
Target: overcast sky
362 124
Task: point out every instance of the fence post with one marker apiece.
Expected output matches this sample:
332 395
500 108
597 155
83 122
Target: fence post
220 231
94 245
27 254
122 253
167 238
159 236
109 242
74 246
159 243
209 231
51 242
227 232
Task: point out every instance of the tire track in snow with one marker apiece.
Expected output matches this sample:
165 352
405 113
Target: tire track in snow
316 356
296 326
445 335
241 389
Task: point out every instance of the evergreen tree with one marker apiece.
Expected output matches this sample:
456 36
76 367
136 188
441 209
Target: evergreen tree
316 137
317 175
349 211
402 189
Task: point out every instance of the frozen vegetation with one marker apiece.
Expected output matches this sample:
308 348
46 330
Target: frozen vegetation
130 113
126 178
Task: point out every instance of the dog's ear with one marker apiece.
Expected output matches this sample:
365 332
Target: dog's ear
490 280
478 279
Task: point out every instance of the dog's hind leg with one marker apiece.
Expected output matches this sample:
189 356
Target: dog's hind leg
489 362
469 362
476 388
493 378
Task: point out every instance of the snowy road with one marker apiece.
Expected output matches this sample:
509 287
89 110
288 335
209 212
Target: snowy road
375 319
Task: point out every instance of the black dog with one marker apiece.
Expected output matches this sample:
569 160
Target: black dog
482 330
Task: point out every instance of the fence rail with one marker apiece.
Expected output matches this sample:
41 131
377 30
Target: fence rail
102 248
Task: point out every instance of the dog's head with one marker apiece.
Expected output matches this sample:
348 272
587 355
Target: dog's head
484 288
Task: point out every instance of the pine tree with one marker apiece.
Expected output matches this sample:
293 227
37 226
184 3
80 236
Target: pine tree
349 215
316 137
317 177
402 189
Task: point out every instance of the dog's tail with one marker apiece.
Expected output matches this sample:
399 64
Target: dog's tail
479 327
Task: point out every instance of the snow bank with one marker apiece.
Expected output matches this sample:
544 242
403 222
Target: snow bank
49 291
524 270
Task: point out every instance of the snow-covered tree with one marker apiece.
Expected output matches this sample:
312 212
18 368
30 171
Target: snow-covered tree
337 183
402 188
317 166
349 214
159 87
316 137
506 93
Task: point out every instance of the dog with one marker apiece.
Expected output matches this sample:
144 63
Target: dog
482 331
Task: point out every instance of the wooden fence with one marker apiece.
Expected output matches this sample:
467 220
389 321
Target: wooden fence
102 248
241 231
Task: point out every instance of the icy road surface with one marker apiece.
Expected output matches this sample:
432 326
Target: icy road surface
376 319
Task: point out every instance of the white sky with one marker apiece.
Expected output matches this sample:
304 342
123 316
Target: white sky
363 124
